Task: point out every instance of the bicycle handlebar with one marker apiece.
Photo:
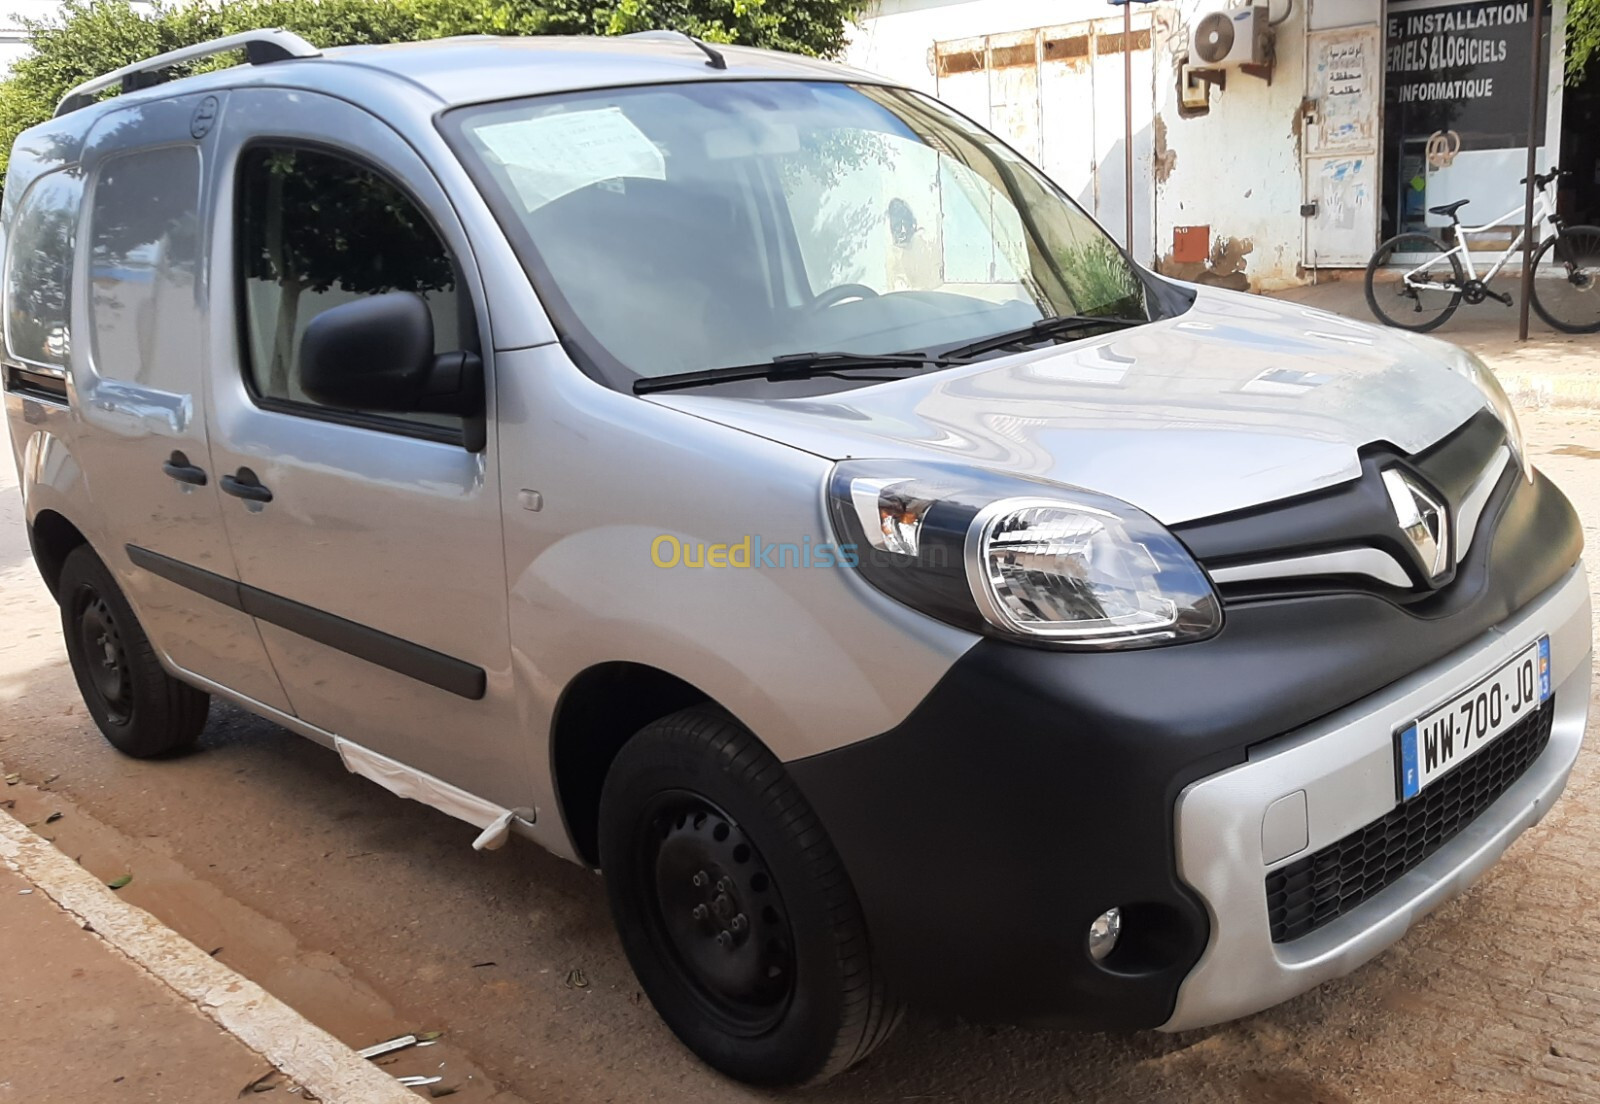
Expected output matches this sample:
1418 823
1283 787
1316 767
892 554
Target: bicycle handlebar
1543 180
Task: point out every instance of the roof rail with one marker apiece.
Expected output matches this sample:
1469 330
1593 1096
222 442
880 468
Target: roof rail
260 47
714 56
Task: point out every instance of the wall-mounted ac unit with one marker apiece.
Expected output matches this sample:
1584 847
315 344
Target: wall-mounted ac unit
1230 36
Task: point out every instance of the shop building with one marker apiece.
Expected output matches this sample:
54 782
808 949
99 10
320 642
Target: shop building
1270 142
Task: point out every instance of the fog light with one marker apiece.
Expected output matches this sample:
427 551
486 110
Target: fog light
1103 933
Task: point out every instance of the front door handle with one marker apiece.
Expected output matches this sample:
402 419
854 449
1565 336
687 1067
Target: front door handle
178 467
244 484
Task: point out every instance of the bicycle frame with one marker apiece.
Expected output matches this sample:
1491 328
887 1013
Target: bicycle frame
1543 211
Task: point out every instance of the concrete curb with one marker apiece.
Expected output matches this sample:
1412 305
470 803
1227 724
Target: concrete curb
303 1052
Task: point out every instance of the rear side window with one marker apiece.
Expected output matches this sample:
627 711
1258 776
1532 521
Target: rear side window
38 278
318 230
144 247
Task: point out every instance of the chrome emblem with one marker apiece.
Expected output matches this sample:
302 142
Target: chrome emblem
1424 521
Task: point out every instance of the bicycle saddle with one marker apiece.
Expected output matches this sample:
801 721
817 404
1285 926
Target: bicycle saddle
1450 209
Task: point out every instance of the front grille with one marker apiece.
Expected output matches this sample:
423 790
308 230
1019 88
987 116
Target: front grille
1315 890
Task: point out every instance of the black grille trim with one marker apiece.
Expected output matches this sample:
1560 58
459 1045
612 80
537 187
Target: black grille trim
1323 886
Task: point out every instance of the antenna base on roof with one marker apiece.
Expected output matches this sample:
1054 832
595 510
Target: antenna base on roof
714 57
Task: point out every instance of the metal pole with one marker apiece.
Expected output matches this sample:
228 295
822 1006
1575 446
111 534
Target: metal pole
1127 118
1533 165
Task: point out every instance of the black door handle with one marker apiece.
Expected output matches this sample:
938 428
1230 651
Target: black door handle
244 484
178 467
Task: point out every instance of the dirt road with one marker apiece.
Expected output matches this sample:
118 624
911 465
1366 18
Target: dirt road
372 916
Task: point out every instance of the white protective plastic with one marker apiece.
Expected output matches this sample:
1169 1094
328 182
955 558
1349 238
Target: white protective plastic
398 778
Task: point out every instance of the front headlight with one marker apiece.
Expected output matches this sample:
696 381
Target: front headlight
1015 558
1494 397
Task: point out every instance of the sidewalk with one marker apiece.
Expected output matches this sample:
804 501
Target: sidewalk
82 1022
1550 369
100 1002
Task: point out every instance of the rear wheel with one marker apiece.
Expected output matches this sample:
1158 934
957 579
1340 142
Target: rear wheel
140 709
1566 280
733 907
1425 290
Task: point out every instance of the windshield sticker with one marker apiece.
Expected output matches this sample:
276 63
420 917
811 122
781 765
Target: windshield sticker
548 157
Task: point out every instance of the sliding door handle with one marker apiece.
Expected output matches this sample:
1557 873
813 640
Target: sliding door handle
177 466
244 484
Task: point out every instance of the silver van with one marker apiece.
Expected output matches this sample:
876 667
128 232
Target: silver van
753 480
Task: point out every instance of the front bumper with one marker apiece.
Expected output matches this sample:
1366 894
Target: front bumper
1344 764
1031 790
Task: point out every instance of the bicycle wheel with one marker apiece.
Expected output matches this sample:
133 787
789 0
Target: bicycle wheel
1566 280
1424 290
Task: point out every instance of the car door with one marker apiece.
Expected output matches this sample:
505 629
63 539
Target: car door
369 545
139 352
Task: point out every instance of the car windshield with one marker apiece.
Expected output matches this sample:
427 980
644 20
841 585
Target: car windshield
677 228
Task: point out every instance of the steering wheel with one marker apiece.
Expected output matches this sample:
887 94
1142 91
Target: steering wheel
836 295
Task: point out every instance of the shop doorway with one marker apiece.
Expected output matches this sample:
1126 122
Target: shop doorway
1579 200
1455 124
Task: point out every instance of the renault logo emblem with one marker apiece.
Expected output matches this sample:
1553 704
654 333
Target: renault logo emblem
1425 523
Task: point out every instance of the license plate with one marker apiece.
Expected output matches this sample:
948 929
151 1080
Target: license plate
1460 728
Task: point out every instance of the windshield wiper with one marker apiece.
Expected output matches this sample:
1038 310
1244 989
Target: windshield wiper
792 366
1045 329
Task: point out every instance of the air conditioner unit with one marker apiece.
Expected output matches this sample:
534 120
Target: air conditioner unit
1231 36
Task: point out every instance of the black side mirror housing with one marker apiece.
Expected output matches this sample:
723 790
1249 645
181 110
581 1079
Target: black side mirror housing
376 354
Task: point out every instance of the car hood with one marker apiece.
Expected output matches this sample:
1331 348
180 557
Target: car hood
1239 401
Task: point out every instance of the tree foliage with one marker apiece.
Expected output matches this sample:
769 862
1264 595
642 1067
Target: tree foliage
1583 37
91 37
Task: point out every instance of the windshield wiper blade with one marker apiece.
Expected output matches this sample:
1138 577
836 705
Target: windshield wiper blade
1045 329
791 366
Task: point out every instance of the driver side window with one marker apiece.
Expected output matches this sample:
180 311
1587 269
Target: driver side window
318 230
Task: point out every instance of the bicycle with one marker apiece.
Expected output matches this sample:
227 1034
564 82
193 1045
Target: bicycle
1566 292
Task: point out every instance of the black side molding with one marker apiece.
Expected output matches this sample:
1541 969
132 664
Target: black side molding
401 656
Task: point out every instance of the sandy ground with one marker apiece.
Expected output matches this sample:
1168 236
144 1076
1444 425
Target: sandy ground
372 916
132 1038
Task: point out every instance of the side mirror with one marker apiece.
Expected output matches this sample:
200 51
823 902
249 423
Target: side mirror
376 354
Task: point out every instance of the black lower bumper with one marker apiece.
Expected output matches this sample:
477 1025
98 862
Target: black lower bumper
1033 790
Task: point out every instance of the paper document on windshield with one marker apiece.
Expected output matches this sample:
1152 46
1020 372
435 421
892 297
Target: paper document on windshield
550 156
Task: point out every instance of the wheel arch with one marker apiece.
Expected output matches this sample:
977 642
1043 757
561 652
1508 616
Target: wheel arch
53 537
598 712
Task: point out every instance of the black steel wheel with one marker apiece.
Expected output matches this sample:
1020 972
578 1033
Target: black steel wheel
140 709
719 912
1424 290
1566 280
100 642
734 910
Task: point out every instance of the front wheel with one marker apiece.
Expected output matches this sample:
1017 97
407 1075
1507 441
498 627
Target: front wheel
1424 292
733 907
140 709
1566 280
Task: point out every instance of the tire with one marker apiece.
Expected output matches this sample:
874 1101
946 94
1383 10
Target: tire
1566 280
1403 307
704 837
141 710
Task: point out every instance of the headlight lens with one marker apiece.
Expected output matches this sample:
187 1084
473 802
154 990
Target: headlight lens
1010 557
1494 396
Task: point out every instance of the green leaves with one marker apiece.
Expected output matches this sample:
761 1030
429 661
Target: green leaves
1583 37
90 37
118 883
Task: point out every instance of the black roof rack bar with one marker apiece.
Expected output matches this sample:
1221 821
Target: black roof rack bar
260 48
714 56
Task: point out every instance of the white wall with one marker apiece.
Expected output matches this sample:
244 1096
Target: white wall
1237 168
13 38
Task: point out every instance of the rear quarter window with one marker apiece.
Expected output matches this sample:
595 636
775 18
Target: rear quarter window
144 246
38 271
